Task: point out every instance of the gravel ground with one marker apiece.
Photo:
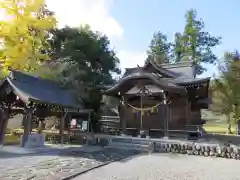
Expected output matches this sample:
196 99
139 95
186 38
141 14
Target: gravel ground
167 167
57 164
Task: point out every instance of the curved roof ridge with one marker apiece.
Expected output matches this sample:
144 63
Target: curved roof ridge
162 69
164 84
30 88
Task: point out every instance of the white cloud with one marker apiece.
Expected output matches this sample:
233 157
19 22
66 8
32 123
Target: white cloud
93 12
131 59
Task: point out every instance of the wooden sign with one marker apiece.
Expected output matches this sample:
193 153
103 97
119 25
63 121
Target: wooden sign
73 123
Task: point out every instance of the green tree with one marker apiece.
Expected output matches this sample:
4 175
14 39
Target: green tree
84 62
178 51
226 89
196 43
159 48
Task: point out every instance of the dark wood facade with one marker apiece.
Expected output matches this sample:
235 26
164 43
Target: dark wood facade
35 98
171 102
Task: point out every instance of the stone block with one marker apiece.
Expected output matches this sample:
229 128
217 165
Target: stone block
34 140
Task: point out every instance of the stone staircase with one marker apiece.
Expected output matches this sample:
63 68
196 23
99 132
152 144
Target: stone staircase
130 144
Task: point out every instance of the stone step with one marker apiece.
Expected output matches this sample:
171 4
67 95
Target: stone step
131 141
128 146
133 146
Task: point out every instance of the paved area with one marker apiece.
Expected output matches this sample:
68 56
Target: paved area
14 156
167 167
56 163
53 163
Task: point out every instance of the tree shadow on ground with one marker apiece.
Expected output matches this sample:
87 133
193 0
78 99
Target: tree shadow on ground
101 155
223 139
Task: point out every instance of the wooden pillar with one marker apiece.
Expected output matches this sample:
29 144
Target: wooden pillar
89 122
27 124
167 120
122 114
169 115
188 112
238 127
88 129
40 125
123 119
61 129
5 113
166 115
1 126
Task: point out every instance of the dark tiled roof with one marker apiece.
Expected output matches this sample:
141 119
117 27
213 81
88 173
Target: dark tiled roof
175 76
129 71
34 89
187 80
126 83
162 70
180 69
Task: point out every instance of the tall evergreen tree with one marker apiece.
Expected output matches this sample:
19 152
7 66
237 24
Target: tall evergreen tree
178 51
159 48
196 43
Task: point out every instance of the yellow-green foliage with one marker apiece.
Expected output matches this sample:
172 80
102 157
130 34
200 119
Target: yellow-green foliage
23 34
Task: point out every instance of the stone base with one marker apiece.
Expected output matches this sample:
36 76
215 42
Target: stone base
165 137
34 140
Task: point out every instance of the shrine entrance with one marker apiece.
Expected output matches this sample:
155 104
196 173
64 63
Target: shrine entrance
146 102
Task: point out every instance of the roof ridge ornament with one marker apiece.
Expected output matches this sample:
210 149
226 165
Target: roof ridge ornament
11 73
10 68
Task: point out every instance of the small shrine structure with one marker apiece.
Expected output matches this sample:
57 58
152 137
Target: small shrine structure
36 98
160 99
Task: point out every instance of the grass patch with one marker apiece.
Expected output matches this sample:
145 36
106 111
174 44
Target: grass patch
218 128
11 139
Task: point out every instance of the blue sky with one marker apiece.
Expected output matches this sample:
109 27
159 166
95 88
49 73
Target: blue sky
140 18
130 24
